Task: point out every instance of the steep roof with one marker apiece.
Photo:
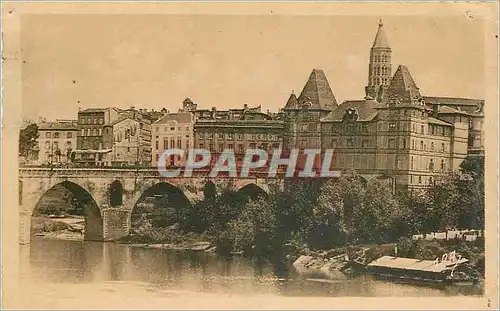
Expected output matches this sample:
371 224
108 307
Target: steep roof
180 117
317 90
380 39
403 86
292 103
366 110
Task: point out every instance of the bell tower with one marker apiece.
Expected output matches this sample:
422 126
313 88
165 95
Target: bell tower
379 70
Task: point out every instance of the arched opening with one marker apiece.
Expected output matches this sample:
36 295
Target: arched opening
363 181
116 193
252 192
160 206
68 209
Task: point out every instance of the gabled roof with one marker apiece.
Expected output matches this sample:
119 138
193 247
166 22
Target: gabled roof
380 39
366 110
292 103
318 92
120 119
180 117
403 86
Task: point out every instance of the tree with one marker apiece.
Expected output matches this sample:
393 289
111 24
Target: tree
28 140
253 230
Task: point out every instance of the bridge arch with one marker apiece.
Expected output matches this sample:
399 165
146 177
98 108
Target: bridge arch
252 191
159 204
82 201
116 193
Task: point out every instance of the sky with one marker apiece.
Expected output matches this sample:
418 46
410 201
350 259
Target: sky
224 61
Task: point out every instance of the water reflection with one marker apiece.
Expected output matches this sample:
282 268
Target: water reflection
55 261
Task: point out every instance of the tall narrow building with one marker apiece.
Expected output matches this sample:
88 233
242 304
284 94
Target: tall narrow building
379 70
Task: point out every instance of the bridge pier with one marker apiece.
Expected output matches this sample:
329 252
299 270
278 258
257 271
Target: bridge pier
24 227
116 223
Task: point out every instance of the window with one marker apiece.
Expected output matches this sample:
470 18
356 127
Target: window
419 179
349 143
392 126
432 129
201 146
392 143
157 146
442 165
364 128
413 143
83 132
239 137
364 143
100 121
68 143
431 165
157 157
421 129
47 145
100 132
403 143
48 135
56 135
179 128
172 128
188 128
432 146
69 135
230 146
179 143
88 132
442 147
172 143
95 120
411 163
212 146
240 148
165 143
421 145
253 137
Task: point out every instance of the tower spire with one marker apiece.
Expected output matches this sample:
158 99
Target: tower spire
379 71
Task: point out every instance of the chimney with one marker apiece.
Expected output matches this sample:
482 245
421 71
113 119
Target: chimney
245 106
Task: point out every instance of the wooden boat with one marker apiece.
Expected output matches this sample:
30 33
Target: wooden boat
445 271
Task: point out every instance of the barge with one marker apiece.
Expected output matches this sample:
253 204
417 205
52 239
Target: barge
447 270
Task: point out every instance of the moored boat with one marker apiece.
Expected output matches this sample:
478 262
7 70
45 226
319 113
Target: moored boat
449 269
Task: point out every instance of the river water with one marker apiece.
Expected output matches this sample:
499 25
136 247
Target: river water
59 265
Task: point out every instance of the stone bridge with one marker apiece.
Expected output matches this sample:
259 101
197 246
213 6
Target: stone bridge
109 195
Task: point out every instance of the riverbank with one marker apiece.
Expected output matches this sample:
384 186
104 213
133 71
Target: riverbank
325 261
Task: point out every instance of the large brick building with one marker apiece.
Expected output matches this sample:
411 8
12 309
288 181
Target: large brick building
394 133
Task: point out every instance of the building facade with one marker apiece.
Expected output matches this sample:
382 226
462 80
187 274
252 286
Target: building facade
394 133
238 130
56 142
174 130
129 139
